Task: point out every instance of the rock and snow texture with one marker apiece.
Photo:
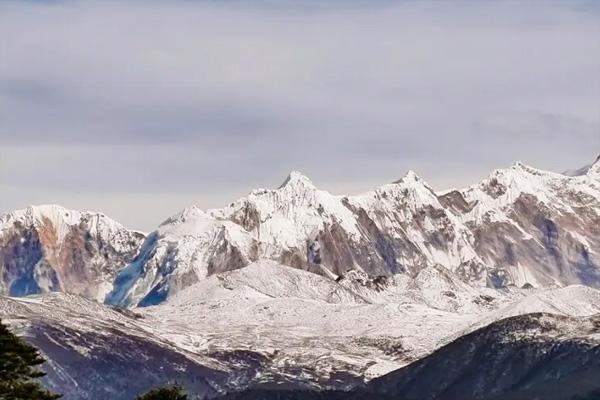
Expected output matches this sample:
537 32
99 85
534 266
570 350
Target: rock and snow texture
186 248
520 226
537 227
298 287
49 248
98 353
268 324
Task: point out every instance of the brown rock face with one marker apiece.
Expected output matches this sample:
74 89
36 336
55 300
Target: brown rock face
52 249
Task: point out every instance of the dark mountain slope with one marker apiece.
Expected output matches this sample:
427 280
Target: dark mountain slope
535 356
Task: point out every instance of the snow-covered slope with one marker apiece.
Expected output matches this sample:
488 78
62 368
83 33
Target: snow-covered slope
49 248
270 324
183 250
298 317
520 226
359 326
95 352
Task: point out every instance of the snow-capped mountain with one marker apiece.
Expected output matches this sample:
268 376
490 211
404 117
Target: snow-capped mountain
49 248
519 226
302 289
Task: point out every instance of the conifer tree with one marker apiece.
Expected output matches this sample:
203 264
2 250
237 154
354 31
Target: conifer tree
165 393
18 362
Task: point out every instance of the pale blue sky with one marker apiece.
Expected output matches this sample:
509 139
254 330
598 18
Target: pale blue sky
141 108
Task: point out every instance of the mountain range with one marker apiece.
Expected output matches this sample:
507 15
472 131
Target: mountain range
295 288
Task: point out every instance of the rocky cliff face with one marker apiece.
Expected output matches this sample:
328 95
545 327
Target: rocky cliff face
520 226
49 248
537 227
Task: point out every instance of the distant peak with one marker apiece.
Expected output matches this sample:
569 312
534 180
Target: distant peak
189 213
595 167
410 176
520 167
46 207
297 178
51 211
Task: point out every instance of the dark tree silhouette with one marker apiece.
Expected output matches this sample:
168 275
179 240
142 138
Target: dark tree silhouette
18 362
166 393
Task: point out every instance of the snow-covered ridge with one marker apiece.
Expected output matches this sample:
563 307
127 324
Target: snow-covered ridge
520 226
299 320
61 219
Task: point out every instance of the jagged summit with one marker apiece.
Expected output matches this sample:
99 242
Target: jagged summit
296 178
520 168
413 184
518 176
190 212
520 165
410 176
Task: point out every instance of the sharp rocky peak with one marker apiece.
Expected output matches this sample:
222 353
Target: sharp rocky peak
184 215
410 180
297 179
411 185
410 177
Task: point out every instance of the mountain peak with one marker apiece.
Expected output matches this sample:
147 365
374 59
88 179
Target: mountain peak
297 179
410 177
40 212
521 166
517 169
593 168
